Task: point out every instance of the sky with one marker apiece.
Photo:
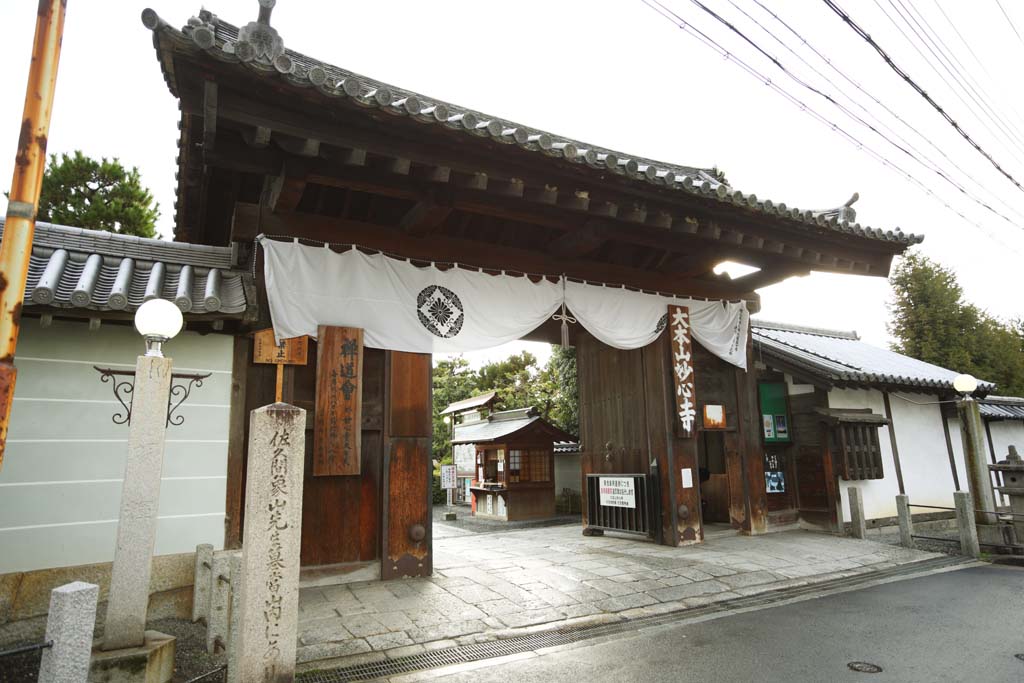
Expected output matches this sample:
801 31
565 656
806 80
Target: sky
621 75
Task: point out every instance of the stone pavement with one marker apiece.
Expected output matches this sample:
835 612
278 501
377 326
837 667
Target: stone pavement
496 585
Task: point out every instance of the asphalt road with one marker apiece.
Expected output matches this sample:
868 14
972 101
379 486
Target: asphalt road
963 625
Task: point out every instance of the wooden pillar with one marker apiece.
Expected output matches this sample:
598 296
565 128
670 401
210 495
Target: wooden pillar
744 455
407 467
237 428
660 435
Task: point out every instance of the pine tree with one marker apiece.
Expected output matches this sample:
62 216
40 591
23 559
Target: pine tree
97 195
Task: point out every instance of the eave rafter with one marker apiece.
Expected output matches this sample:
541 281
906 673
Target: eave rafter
358 158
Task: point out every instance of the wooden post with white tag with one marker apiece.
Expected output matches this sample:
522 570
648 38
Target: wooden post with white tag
292 351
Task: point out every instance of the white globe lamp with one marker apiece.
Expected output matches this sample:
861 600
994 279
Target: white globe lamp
158 320
965 384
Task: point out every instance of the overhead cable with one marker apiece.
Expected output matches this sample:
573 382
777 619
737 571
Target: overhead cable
910 81
681 23
934 166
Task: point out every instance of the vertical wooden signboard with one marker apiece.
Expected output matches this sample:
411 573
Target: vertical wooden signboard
292 351
339 401
682 368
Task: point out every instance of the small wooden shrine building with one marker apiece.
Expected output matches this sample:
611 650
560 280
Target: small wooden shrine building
275 143
515 469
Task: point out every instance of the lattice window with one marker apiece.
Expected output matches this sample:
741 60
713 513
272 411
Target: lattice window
540 465
515 463
860 456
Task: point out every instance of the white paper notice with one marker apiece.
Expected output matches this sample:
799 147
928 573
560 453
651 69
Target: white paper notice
687 478
448 476
617 492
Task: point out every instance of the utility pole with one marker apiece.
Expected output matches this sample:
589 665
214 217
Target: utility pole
29 164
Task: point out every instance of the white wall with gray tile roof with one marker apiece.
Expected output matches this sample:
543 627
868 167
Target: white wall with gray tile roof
60 485
74 268
841 358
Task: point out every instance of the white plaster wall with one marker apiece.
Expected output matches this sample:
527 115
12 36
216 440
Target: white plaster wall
878 494
1006 433
60 484
924 460
568 473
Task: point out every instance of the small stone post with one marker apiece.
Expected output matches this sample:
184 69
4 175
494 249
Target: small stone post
965 522
201 583
979 480
270 547
140 498
858 525
69 625
220 602
906 521
236 615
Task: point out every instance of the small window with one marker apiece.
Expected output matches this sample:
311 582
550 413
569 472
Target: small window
515 463
859 454
540 465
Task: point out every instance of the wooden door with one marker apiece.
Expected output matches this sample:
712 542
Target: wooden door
341 514
407 536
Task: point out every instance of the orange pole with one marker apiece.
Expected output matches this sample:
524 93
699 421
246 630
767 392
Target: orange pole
29 164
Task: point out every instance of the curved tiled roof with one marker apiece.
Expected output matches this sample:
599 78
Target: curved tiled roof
100 271
841 358
265 56
1002 408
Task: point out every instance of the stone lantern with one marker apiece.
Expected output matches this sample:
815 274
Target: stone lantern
1012 471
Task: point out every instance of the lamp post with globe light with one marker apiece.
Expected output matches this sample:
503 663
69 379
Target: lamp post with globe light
972 434
158 321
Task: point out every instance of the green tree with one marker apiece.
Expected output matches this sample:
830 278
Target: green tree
98 195
453 381
565 411
932 321
519 382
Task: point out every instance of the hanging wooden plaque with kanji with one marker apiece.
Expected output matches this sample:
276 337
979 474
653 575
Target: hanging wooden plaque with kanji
339 400
682 368
293 351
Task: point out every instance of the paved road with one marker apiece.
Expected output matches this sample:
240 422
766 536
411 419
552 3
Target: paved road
957 626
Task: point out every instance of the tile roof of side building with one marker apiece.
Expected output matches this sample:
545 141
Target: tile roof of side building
841 359
228 44
92 270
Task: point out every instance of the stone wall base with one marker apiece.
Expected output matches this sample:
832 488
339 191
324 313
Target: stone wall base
25 596
152 662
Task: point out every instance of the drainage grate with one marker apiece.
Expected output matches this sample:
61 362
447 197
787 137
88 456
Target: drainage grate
572 634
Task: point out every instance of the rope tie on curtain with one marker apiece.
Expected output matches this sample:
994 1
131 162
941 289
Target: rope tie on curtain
564 317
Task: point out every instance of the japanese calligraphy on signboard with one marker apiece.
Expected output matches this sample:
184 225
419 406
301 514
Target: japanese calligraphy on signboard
617 492
339 401
291 351
682 367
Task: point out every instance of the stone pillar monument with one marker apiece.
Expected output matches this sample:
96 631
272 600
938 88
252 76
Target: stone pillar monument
972 432
140 498
269 602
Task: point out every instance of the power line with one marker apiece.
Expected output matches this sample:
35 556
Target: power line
1009 21
681 23
916 131
910 81
1011 136
927 163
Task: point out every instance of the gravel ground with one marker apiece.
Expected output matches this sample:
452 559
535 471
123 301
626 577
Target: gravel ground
191 658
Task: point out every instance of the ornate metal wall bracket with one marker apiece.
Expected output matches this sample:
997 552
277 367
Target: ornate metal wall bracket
182 384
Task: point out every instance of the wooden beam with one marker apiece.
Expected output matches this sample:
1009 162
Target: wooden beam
576 243
209 116
400 143
426 215
283 192
247 221
485 195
